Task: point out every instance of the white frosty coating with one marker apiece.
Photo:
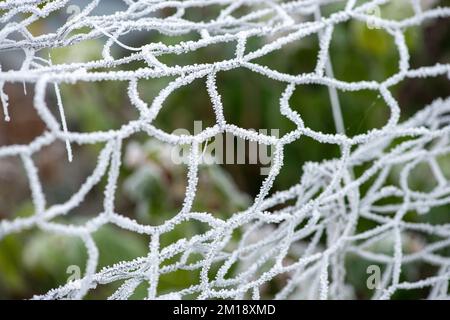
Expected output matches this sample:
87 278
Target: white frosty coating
273 243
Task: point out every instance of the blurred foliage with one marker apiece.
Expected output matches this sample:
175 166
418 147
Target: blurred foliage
153 187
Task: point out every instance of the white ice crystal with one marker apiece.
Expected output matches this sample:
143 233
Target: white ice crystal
327 202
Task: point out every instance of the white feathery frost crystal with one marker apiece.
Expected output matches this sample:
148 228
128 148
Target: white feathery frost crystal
327 203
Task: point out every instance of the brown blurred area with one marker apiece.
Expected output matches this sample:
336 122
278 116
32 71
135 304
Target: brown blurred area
24 126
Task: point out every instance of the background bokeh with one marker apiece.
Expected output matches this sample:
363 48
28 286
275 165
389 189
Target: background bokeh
151 187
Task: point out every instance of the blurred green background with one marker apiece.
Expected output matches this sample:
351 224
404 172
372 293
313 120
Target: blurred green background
152 188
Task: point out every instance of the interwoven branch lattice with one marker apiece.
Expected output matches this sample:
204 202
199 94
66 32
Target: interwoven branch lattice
306 242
